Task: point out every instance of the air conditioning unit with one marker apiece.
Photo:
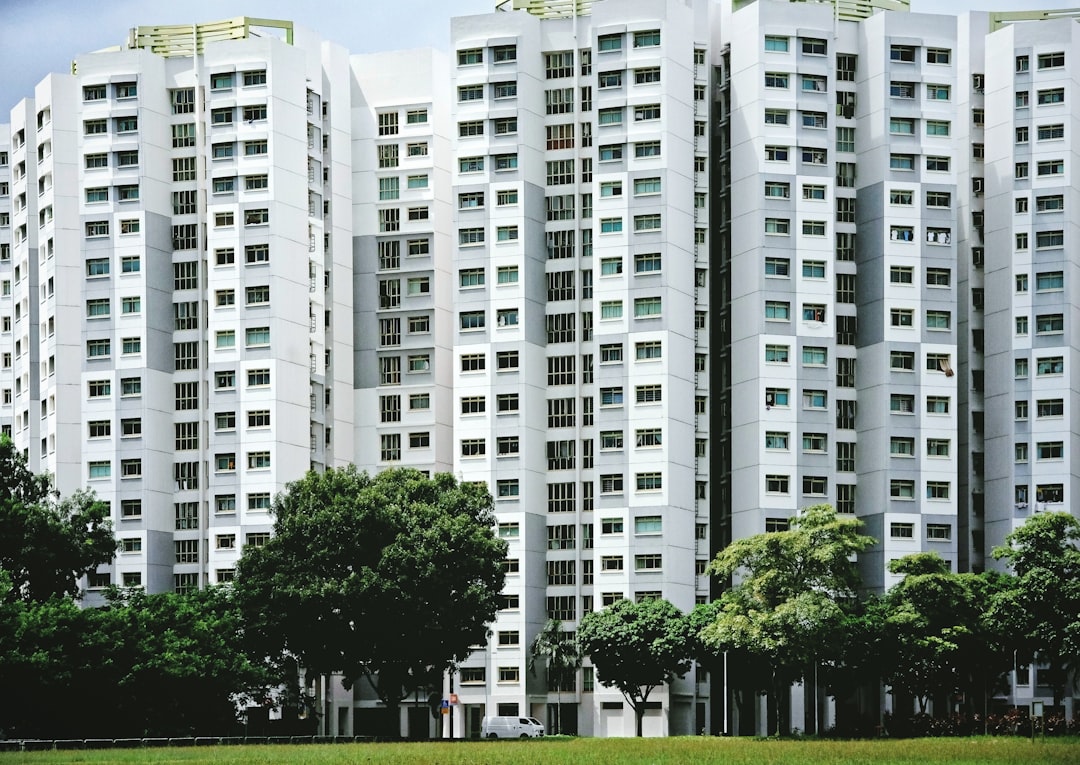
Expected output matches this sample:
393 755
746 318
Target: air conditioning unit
977 185
977 82
978 256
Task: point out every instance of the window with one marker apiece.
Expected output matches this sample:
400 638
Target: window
1051 167
938 55
939 320
902 403
902 53
647 149
937 92
813 356
1046 281
98 308
777 397
813 228
776 153
777 267
1050 365
610 80
902 446
1052 203
937 128
902 126
777 354
1051 96
937 404
647 307
777 226
1050 492
780 190
1046 324
776 44
901 530
1045 239
1051 60
650 222
902 162
777 484
1051 133
937 490
649 39
504 125
776 310
902 89
649 482
255 148
937 164
97 349
257 336
776 79
776 440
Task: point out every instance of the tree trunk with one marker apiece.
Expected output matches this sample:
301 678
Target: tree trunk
639 713
558 707
393 717
779 721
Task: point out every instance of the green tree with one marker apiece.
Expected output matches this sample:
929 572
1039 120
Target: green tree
389 577
637 647
1042 609
157 665
561 655
793 592
185 670
934 637
48 542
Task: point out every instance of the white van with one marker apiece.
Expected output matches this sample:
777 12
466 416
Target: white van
511 727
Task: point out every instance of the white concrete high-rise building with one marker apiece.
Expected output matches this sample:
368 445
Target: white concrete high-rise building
580 344
659 272
181 286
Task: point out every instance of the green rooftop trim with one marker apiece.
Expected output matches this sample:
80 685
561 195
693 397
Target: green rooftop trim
191 39
553 9
848 10
999 19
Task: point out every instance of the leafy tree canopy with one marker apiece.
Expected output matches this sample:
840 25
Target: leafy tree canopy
934 637
391 576
157 665
637 647
792 593
1042 609
48 543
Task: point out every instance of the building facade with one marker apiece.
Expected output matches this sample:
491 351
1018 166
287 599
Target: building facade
162 203
659 272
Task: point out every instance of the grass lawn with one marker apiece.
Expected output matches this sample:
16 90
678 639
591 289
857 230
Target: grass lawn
586 751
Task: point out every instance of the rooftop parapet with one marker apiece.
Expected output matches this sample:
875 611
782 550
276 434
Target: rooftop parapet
190 39
999 19
847 10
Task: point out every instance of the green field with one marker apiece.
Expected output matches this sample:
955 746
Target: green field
740 751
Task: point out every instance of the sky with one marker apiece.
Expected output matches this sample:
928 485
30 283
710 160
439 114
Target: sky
42 36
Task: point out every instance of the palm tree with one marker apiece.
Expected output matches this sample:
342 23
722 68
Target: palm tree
561 655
